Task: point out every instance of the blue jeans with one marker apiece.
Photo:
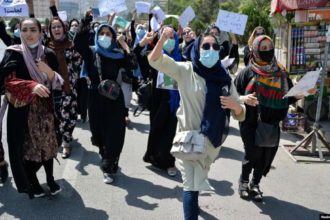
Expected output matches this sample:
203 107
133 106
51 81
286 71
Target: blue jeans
190 205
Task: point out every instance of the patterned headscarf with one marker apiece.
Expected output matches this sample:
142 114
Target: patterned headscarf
270 82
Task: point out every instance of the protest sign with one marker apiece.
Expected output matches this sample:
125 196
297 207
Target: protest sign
166 82
63 15
154 24
159 14
304 84
231 22
107 7
96 13
14 8
142 7
186 17
122 22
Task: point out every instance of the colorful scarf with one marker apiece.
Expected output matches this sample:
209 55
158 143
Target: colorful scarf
270 80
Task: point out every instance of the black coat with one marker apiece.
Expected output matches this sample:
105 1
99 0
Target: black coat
17 117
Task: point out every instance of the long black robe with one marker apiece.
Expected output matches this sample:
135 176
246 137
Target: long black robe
17 117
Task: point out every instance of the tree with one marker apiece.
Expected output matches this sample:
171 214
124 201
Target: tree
258 15
206 10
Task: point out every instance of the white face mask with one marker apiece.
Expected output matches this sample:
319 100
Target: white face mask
73 29
32 46
104 41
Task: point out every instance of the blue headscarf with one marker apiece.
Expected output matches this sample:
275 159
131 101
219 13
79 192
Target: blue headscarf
113 51
215 121
174 94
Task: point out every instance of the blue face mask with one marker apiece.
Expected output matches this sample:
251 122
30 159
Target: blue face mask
17 33
169 45
32 46
209 57
141 33
104 41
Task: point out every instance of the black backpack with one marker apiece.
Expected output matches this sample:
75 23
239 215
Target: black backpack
144 93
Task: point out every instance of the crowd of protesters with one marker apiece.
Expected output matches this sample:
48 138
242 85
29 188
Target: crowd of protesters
51 75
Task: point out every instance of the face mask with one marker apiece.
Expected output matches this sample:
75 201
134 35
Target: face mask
73 29
169 45
95 29
209 57
141 33
104 41
32 46
267 55
17 33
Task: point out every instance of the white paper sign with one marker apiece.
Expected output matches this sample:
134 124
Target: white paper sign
109 6
226 62
63 15
142 7
14 8
159 14
186 17
154 24
306 83
231 22
166 82
117 5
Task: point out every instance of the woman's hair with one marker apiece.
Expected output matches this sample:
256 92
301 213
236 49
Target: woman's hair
207 35
214 27
73 20
35 21
50 26
253 35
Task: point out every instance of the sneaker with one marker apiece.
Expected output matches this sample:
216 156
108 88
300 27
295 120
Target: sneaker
66 153
243 190
54 188
3 172
255 193
38 191
108 178
172 171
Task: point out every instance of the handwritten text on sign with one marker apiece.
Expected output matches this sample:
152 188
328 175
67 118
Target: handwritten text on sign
9 8
231 22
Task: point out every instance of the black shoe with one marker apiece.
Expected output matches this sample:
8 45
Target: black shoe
38 191
255 193
54 188
243 189
3 173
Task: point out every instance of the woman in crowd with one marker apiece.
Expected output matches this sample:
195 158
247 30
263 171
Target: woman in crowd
258 31
29 78
188 37
226 49
69 68
163 119
262 86
203 107
106 116
73 28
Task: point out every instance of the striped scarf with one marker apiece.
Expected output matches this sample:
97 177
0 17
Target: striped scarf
270 81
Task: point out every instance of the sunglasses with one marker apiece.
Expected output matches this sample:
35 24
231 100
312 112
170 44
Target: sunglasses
207 46
186 33
259 34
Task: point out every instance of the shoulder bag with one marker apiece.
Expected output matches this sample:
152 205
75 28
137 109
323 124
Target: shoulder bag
189 145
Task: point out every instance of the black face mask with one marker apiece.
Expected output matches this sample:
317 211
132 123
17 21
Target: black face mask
267 55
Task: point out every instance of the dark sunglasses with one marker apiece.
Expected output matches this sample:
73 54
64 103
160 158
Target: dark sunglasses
186 33
207 46
259 34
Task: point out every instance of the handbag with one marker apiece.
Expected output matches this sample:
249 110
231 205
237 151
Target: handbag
107 87
189 145
144 94
267 134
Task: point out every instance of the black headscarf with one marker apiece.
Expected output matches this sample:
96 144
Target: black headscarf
215 121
